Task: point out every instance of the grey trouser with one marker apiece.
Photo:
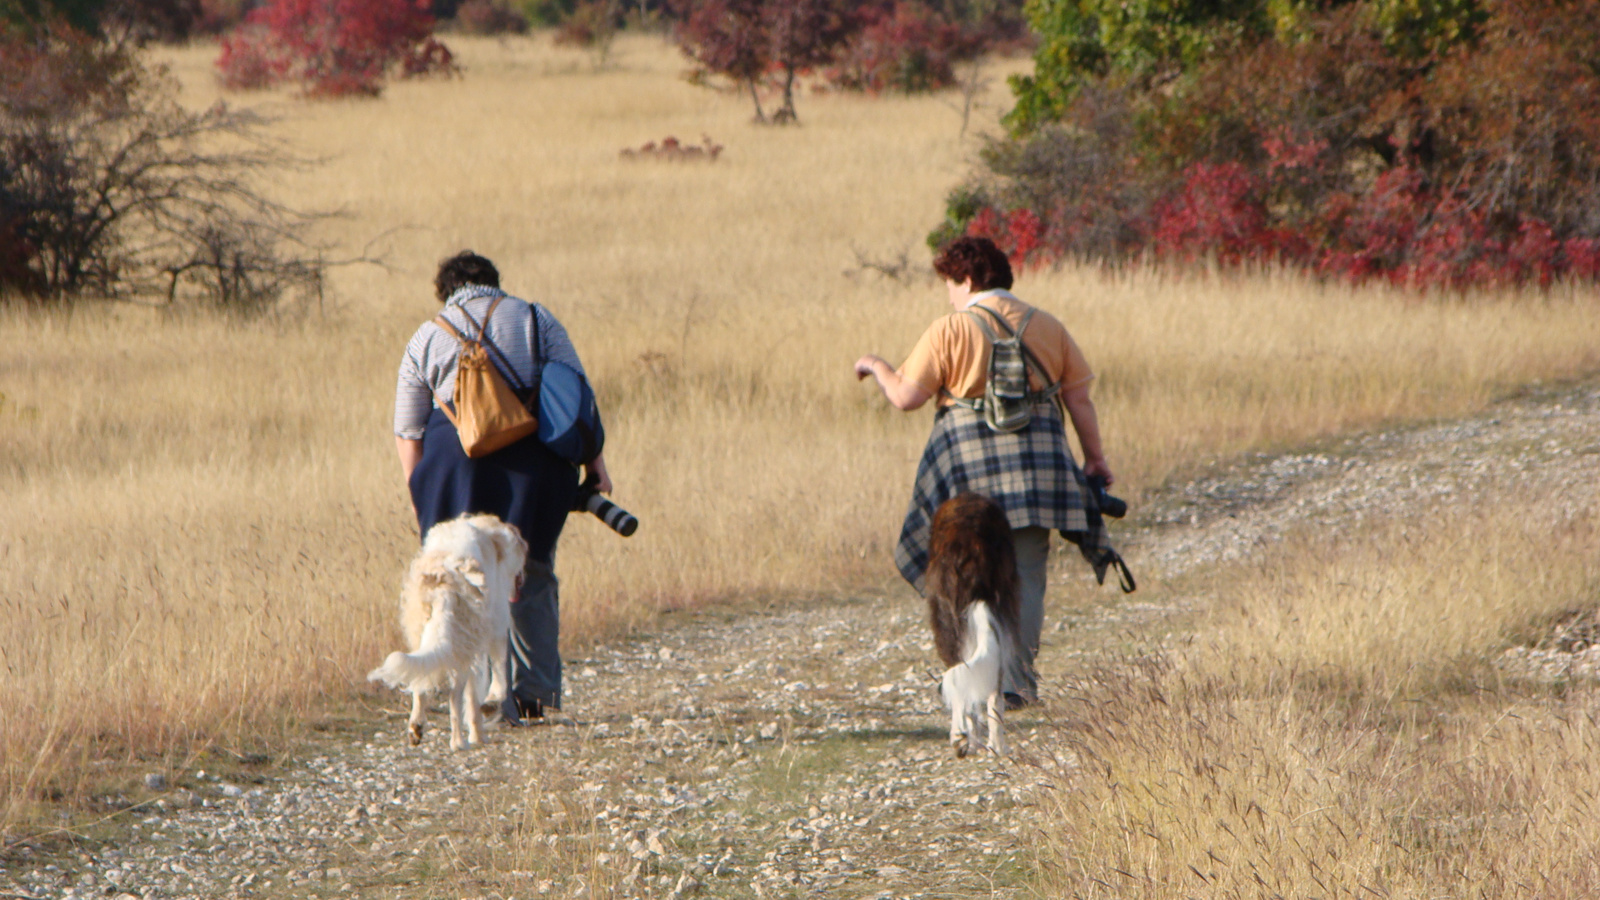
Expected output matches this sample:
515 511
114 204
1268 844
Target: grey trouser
1033 553
535 659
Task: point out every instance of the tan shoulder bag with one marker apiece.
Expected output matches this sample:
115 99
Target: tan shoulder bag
488 415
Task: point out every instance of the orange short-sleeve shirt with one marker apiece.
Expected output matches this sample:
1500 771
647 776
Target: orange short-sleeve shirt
953 354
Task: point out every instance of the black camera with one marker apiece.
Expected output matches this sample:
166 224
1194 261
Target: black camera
1115 507
616 518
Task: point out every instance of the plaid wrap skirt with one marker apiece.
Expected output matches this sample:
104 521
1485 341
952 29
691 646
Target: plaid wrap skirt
1030 473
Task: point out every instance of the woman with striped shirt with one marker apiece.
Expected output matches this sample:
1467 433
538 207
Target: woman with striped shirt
525 483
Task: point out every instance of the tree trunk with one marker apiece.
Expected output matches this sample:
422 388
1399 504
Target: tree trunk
785 114
761 117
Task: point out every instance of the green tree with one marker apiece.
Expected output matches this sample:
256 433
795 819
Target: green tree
1149 42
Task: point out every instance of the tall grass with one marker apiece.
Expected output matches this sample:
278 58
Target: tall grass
1338 730
202 522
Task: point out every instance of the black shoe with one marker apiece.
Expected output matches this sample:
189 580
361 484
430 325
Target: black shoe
516 712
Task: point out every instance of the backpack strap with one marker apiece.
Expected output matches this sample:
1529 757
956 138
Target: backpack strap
1051 388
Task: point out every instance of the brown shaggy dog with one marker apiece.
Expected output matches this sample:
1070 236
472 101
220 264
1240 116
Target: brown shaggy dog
972 607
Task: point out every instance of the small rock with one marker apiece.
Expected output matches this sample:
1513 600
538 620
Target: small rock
155 781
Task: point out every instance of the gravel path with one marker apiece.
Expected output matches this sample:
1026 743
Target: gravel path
763 754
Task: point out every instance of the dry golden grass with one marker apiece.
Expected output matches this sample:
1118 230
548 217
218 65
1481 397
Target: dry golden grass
1337 730
202 523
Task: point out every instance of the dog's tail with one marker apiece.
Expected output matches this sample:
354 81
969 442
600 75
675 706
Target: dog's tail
441 649
983 658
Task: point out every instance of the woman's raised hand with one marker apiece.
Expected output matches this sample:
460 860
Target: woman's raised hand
864 365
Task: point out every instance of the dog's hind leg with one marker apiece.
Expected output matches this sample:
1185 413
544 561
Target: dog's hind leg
472 711
958 714
997 734
419 717
458 689
497 676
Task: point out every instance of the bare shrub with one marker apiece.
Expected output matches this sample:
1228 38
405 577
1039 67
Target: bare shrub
109 187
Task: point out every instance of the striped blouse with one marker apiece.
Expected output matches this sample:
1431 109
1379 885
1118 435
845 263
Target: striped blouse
428 369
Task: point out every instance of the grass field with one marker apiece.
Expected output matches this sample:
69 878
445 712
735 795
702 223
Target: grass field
1337 728
202 522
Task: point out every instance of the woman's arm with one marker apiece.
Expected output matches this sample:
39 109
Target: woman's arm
906 395
1084 421
410 454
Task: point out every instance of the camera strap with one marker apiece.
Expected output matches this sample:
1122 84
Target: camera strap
1124 574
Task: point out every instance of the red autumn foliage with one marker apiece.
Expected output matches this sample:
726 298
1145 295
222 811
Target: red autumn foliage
1475 166
748 40
911 46
332 47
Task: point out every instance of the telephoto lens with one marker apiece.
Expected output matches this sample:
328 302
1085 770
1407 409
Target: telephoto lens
616 518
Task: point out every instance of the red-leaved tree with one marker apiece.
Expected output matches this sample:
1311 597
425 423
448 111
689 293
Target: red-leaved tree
747 39
803 34
728 38
332 47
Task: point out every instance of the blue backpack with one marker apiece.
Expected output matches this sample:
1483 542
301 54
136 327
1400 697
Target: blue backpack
569 421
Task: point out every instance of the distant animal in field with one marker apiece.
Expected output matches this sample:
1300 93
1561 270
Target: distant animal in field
672 150
455 612
973 609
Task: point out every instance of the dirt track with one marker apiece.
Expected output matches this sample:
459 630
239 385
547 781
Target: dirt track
769 754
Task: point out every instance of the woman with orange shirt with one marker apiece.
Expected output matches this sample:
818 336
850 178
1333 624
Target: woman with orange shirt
1031 472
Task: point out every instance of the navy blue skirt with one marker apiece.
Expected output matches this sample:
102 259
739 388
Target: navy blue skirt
525 484
532 488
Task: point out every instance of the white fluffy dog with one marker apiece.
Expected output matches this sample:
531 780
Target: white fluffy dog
455 610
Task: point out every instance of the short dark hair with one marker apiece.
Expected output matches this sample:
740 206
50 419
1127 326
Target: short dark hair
976 258
461 270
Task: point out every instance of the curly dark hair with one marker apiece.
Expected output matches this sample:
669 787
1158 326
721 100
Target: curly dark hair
461 270
976 258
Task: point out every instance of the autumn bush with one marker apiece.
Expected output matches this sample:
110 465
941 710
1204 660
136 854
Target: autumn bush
332 47
907 46
1335 142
